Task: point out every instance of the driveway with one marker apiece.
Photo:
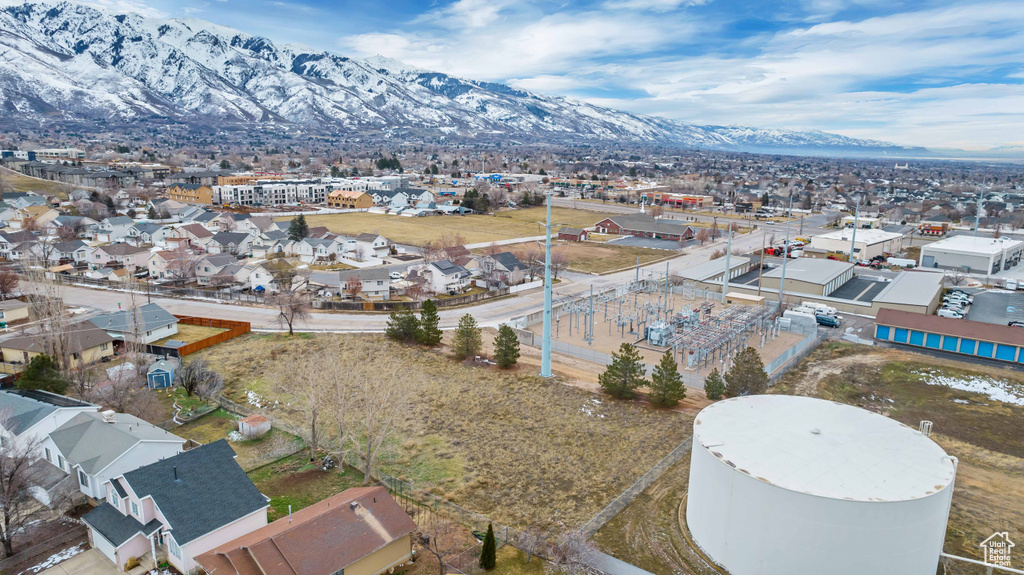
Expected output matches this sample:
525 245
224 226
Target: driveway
90 562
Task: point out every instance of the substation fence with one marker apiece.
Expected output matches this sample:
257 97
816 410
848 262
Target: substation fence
779 366
629 495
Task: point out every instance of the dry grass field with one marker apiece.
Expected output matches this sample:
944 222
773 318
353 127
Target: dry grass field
191 333
589 257
504 225
22 183
520 449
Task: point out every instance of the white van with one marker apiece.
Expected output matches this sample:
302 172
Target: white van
945 312
819 308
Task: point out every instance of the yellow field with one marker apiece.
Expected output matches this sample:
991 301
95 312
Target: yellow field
589 257
22 183
191 333
475 229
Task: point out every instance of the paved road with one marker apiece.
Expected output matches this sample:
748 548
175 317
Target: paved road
487 314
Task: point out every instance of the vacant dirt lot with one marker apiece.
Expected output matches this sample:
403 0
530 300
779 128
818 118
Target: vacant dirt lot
588 257
475 229
517 448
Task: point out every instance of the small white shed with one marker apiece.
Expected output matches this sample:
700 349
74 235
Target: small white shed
254 425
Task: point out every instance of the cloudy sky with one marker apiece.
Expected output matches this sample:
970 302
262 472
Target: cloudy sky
916 72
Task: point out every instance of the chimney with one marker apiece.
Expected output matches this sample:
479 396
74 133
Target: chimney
108 416
289 514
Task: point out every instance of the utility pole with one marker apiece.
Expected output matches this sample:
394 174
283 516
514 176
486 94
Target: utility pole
545 354
977 215
856 222
760 269
785 252
728 263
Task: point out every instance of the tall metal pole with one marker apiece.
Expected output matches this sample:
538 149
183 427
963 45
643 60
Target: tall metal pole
728 264
977 215
856 222
785 252
545 354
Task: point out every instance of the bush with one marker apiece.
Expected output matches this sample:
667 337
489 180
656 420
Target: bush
402 326
488 555
42 373
714 387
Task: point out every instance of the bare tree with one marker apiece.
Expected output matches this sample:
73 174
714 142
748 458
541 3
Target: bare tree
80 380
573 553
181 263
310 384
353 286
957 278
291 308
70 231
8 283
559 261
436 250
18 475
531 542
125 393
439 535
380 396
198 377
703 235
54 327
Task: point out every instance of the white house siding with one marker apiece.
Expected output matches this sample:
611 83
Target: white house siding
140 455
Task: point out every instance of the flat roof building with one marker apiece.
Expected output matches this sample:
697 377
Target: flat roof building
972 254
810 276
867 244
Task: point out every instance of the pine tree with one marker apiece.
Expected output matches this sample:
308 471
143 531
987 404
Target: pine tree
151 214
666 384
488 555
402 326
747 375
625 373
298 229
467 341
225 165
429 333
506 347
714 386
42 373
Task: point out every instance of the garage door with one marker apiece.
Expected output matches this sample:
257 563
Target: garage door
928 262
104 546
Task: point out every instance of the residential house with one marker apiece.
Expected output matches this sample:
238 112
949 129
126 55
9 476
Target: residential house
10 239
194 235
445 277
97 447
371 245
86 226
503 268
573 234
180 507
75 251
179 264
349 200
150 322
373 283
33 413
190 193
211 265
85 344
126 256
268 243
360 531
32 217
255 225
115 229
13 310
152 234
229 243
314 250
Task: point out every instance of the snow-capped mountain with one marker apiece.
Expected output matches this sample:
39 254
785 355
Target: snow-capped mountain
66 61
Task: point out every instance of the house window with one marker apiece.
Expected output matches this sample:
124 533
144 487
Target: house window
135 510
115 499
172 546
103 346
49 456
83 479
149 332
60 461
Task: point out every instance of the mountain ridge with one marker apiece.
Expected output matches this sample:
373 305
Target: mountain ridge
63 61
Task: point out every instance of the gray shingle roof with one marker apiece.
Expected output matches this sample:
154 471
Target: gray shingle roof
116 527
25 408
86 440
210 491
226 238
151 315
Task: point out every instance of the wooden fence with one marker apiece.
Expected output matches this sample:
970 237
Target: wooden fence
234 329
40 549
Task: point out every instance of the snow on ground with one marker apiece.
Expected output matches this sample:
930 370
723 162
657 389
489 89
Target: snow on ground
995 389
235 437
56 558
588 408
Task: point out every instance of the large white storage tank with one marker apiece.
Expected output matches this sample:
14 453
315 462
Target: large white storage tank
795 485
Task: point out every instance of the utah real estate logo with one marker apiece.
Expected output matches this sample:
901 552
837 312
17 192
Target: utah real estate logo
997 549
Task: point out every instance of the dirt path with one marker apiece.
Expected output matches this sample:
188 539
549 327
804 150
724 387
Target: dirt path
810 384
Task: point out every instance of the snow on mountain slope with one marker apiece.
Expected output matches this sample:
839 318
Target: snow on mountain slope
70 61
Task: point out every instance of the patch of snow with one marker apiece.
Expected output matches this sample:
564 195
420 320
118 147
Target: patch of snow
57 558
996 389
235 437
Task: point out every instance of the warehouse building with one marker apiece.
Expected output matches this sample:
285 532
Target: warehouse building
972 254
986 340
866 244
810 276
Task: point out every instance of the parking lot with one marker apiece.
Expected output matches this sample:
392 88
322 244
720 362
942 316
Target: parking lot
997 306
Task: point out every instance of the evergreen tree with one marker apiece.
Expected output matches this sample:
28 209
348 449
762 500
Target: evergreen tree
429 333
714 386
42 373
225 164
625 373
151 214
402 326
109 202
764 199
506 347
335 172
747 375
632 171
467 341
666 384
488 555
298 229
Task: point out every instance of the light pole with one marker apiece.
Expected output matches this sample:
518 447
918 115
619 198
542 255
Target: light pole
545 353
785 252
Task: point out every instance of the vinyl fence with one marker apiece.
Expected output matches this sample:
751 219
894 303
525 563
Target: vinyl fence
164 290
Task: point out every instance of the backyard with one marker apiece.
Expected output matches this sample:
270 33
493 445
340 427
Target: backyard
504 225
588 257
191 333
517 448
252 453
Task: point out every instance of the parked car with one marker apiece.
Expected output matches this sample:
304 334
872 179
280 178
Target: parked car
1016 324
827 320
945 312
395 275
959 291
958 306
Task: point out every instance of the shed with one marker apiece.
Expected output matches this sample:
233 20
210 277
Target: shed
573 234
160 374
254 425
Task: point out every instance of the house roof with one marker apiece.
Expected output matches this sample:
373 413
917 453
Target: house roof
508 260
367 274
119 221
367 237
72 246
152 316
24 408
81 336
219 260
198 491
447 268
228 238
93 444
121 249
254 419
197 230
148 227
571 231
322 539
647 223
8 304
117 527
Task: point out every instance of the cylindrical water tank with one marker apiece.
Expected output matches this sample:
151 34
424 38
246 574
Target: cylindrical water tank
785 485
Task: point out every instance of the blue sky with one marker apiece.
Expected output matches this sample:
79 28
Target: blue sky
926 72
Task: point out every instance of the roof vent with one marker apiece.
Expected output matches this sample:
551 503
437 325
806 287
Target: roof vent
353 505
108 416
816 431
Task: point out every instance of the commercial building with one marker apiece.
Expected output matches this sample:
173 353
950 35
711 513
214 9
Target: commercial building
61 153
645 226
977 339
972 254
784 485
191 193
911 291
867 243
243 179
810 276
675 200
273 192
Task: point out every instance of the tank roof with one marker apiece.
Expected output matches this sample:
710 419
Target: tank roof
823 448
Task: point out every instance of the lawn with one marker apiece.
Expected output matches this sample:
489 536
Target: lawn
22 183
191 333
982 433
475 229
591 257
252 453
294 481
517 448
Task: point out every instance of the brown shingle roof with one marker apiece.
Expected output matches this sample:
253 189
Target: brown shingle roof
321 539
197 231
950 326
81 337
